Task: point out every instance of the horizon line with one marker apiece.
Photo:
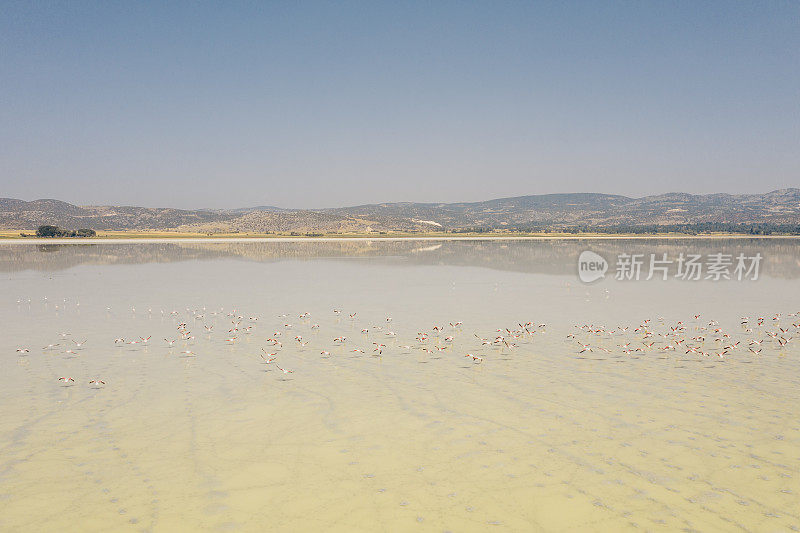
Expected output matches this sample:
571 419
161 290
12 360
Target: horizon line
402 202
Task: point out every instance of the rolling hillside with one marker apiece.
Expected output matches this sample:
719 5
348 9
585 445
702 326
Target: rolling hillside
536 212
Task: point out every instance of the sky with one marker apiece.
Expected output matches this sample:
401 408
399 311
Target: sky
327 104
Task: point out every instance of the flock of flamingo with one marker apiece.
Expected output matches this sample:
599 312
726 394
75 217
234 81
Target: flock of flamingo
704 339
696 335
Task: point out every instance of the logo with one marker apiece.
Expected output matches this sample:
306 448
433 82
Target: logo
591 266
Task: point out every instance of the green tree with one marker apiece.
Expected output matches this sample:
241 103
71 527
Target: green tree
48 231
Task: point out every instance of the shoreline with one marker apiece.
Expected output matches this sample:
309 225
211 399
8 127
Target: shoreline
184 238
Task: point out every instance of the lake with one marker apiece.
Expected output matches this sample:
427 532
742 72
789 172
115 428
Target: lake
399 385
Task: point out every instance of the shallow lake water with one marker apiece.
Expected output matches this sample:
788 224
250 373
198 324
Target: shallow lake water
615 405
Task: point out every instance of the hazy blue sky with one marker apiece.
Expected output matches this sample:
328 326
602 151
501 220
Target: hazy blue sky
305 104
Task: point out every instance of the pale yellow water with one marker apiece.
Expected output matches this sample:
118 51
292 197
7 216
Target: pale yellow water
537 437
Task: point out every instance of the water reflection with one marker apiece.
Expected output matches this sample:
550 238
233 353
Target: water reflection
781 257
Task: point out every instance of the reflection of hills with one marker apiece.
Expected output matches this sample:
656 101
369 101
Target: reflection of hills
781 257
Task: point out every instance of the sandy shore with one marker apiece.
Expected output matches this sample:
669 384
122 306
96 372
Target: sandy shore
163 239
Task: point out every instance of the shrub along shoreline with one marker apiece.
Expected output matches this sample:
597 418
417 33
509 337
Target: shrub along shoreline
55 231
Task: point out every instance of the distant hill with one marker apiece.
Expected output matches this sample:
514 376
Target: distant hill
555 211
535 212
268 208
18 214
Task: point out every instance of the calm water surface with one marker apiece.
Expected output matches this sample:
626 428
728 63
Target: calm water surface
532 434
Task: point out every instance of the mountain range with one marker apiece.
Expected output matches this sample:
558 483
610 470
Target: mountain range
547 212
